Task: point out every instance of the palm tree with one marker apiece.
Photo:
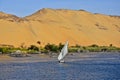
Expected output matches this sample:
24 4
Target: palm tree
39 43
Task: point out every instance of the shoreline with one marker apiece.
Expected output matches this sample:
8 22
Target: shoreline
46 58
31 58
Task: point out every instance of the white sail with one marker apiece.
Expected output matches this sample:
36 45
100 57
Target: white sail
63 52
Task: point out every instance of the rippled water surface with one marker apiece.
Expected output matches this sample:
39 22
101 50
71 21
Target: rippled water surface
88 66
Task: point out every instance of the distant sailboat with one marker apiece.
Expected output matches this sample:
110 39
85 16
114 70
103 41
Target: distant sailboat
63 52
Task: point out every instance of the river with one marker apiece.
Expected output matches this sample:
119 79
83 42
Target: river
84 66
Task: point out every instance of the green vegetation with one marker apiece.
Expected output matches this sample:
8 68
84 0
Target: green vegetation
48 48
51 47
94 48
33 47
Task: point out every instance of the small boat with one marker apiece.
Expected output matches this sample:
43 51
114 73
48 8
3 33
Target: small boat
63 53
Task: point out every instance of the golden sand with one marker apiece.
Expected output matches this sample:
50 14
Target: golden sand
55 26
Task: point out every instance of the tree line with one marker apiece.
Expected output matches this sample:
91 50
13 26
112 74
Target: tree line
57 48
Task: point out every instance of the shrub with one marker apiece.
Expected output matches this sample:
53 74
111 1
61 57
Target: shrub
5 50
77 46
51 47
93 45
73 49
1 50
60 46
93 49
43 50
33 47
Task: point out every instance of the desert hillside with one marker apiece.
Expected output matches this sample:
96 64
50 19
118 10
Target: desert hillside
55 26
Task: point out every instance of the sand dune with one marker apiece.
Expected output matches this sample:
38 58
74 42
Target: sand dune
55 26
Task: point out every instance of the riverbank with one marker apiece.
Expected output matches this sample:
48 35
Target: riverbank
45 58
5 57
30 58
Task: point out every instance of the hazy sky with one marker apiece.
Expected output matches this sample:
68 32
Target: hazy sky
26 7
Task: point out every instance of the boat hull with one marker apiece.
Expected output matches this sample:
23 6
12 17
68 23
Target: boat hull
61 61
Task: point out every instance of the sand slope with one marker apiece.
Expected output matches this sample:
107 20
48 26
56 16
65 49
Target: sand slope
55 26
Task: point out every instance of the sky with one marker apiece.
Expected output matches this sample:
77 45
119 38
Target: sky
24 8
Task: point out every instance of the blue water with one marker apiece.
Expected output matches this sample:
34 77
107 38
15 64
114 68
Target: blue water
102 66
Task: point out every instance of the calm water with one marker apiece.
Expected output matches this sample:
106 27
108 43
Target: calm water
89 66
